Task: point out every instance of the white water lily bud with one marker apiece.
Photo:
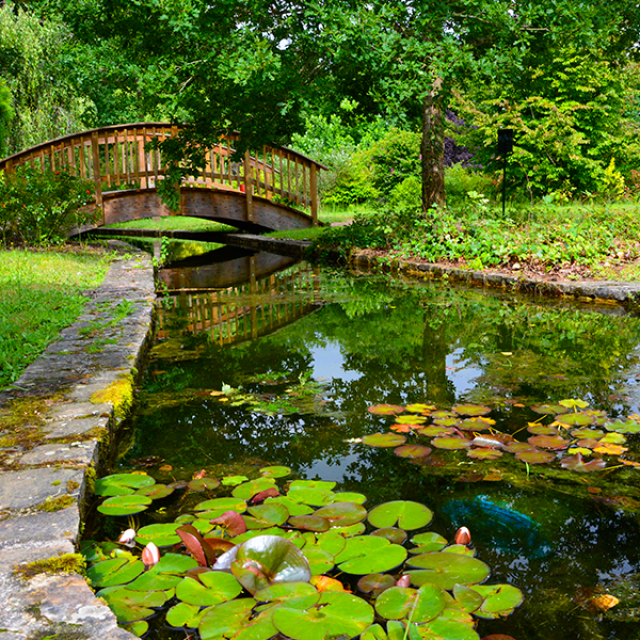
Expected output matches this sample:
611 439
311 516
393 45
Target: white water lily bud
128 538
150 555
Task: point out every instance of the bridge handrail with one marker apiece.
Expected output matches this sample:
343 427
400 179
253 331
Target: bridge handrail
122 156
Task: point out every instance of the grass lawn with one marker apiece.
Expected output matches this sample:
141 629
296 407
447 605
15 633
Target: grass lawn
39 296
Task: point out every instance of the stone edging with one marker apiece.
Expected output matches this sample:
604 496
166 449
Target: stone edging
86 391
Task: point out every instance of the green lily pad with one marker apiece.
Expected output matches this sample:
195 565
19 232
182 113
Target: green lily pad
137 628
499 600
310 523
247 490
447 422
331 542
475 424
435 430
451 443
374 632
623 426
342 514
555 443
408 515
392 534
447 569
114 572
296 595
312 496
411 419
225 620
275 472
120 484
320 561
427 542
590 434
422 605
155 491
576 419
419 407
222 505
325 485
466 598
349 496
294 507
183 615
385 409
441 628
337 614
542 430
271 514
613 438
212 588
534 456
412 451
233 481
572 403
549 409
124 505
471 410
369 554
130 606
162 535
383 439
484 454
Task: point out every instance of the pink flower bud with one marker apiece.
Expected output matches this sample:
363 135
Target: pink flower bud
150 555
403 581
463 536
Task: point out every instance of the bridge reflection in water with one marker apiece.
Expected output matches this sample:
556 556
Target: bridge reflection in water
237 299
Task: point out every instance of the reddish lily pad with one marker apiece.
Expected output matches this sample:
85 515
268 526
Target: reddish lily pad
385 409
549 409
155 491
471 410
231 521
451 443
412 451
576 463
555 443
204 484
534 456
516 447
542 429
310 523
342 514
383 440
392 534
476 424
376 583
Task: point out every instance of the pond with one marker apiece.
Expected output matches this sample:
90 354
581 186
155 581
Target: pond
514 417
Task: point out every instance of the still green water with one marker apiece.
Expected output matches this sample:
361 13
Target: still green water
302 354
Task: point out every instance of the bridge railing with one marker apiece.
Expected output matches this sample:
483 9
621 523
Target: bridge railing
120 157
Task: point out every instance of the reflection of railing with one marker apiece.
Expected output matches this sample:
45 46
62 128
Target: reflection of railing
121 156
247 311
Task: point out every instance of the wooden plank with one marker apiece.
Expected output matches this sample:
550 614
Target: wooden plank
248 184
313 185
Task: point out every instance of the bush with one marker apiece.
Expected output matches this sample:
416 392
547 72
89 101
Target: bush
41 207
461 181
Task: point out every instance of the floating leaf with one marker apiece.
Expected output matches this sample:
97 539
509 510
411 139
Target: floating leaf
576 463
499 599
233 481
211 588
120 484
183 615
425 409
422 605
376 583
349 496
466 598
587 433
294 507
275 472
310 523
222 505
204 484
441 628
130 606
622 426
576 419
337 614
232 522
298 595
549 409
428 541
572 404
516 446
412 451
247 490
392 534
534 456
476 424
385 409
342 514
114 572
410 419
434 430
542 429
555 443
447 569
225 620
484 454
471 410
124 505
613 438
451 443
369 554
270 514
161 534
447 422
408 515
610 449
383 440
311 496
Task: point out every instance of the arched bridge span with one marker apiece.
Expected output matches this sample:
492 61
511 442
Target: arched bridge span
274 188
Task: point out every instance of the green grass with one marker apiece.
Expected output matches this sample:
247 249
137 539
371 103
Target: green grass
39 296
173 223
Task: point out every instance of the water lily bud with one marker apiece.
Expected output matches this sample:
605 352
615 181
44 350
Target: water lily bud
150 555
463 536
404 581
127 537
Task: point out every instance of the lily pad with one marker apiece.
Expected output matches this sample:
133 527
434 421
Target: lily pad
407 514
412 451
369 554
534 456
471 410
204 484
114 572
484 454
451 443
447 569
576 463
576 419
120 484
297 595
385 409
247 490
310 523
225 620
425 409
392 534
422 605
183 615
587 434
336 614
427 542
549 409
275 472
130 606
441 628
271 514
294 507
311 496
124 505
411 419
221 505
376 583
342 514
383 439
555 443
542 429
499 600
434 430
162 535
476 424
212 588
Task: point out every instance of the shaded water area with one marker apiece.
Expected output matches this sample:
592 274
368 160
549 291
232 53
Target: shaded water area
262 361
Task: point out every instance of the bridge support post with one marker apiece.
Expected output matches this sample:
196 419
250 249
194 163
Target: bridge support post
95 161
248 184
313 179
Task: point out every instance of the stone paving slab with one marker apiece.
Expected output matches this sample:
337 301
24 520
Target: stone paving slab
54 605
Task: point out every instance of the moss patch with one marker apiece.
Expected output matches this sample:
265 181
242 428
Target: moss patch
119 394
56 504
66 563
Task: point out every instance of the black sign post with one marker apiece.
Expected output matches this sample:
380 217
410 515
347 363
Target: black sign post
505 148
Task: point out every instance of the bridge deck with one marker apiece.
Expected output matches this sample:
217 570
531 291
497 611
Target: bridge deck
266 189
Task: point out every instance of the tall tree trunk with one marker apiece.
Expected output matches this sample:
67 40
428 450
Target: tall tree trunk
432 149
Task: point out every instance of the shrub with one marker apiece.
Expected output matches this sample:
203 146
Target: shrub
41 207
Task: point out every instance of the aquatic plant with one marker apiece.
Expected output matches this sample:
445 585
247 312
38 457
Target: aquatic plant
299 560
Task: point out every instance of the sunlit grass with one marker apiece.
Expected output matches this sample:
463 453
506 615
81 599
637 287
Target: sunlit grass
173 223
39 296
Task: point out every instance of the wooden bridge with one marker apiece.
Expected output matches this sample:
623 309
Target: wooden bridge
272 189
